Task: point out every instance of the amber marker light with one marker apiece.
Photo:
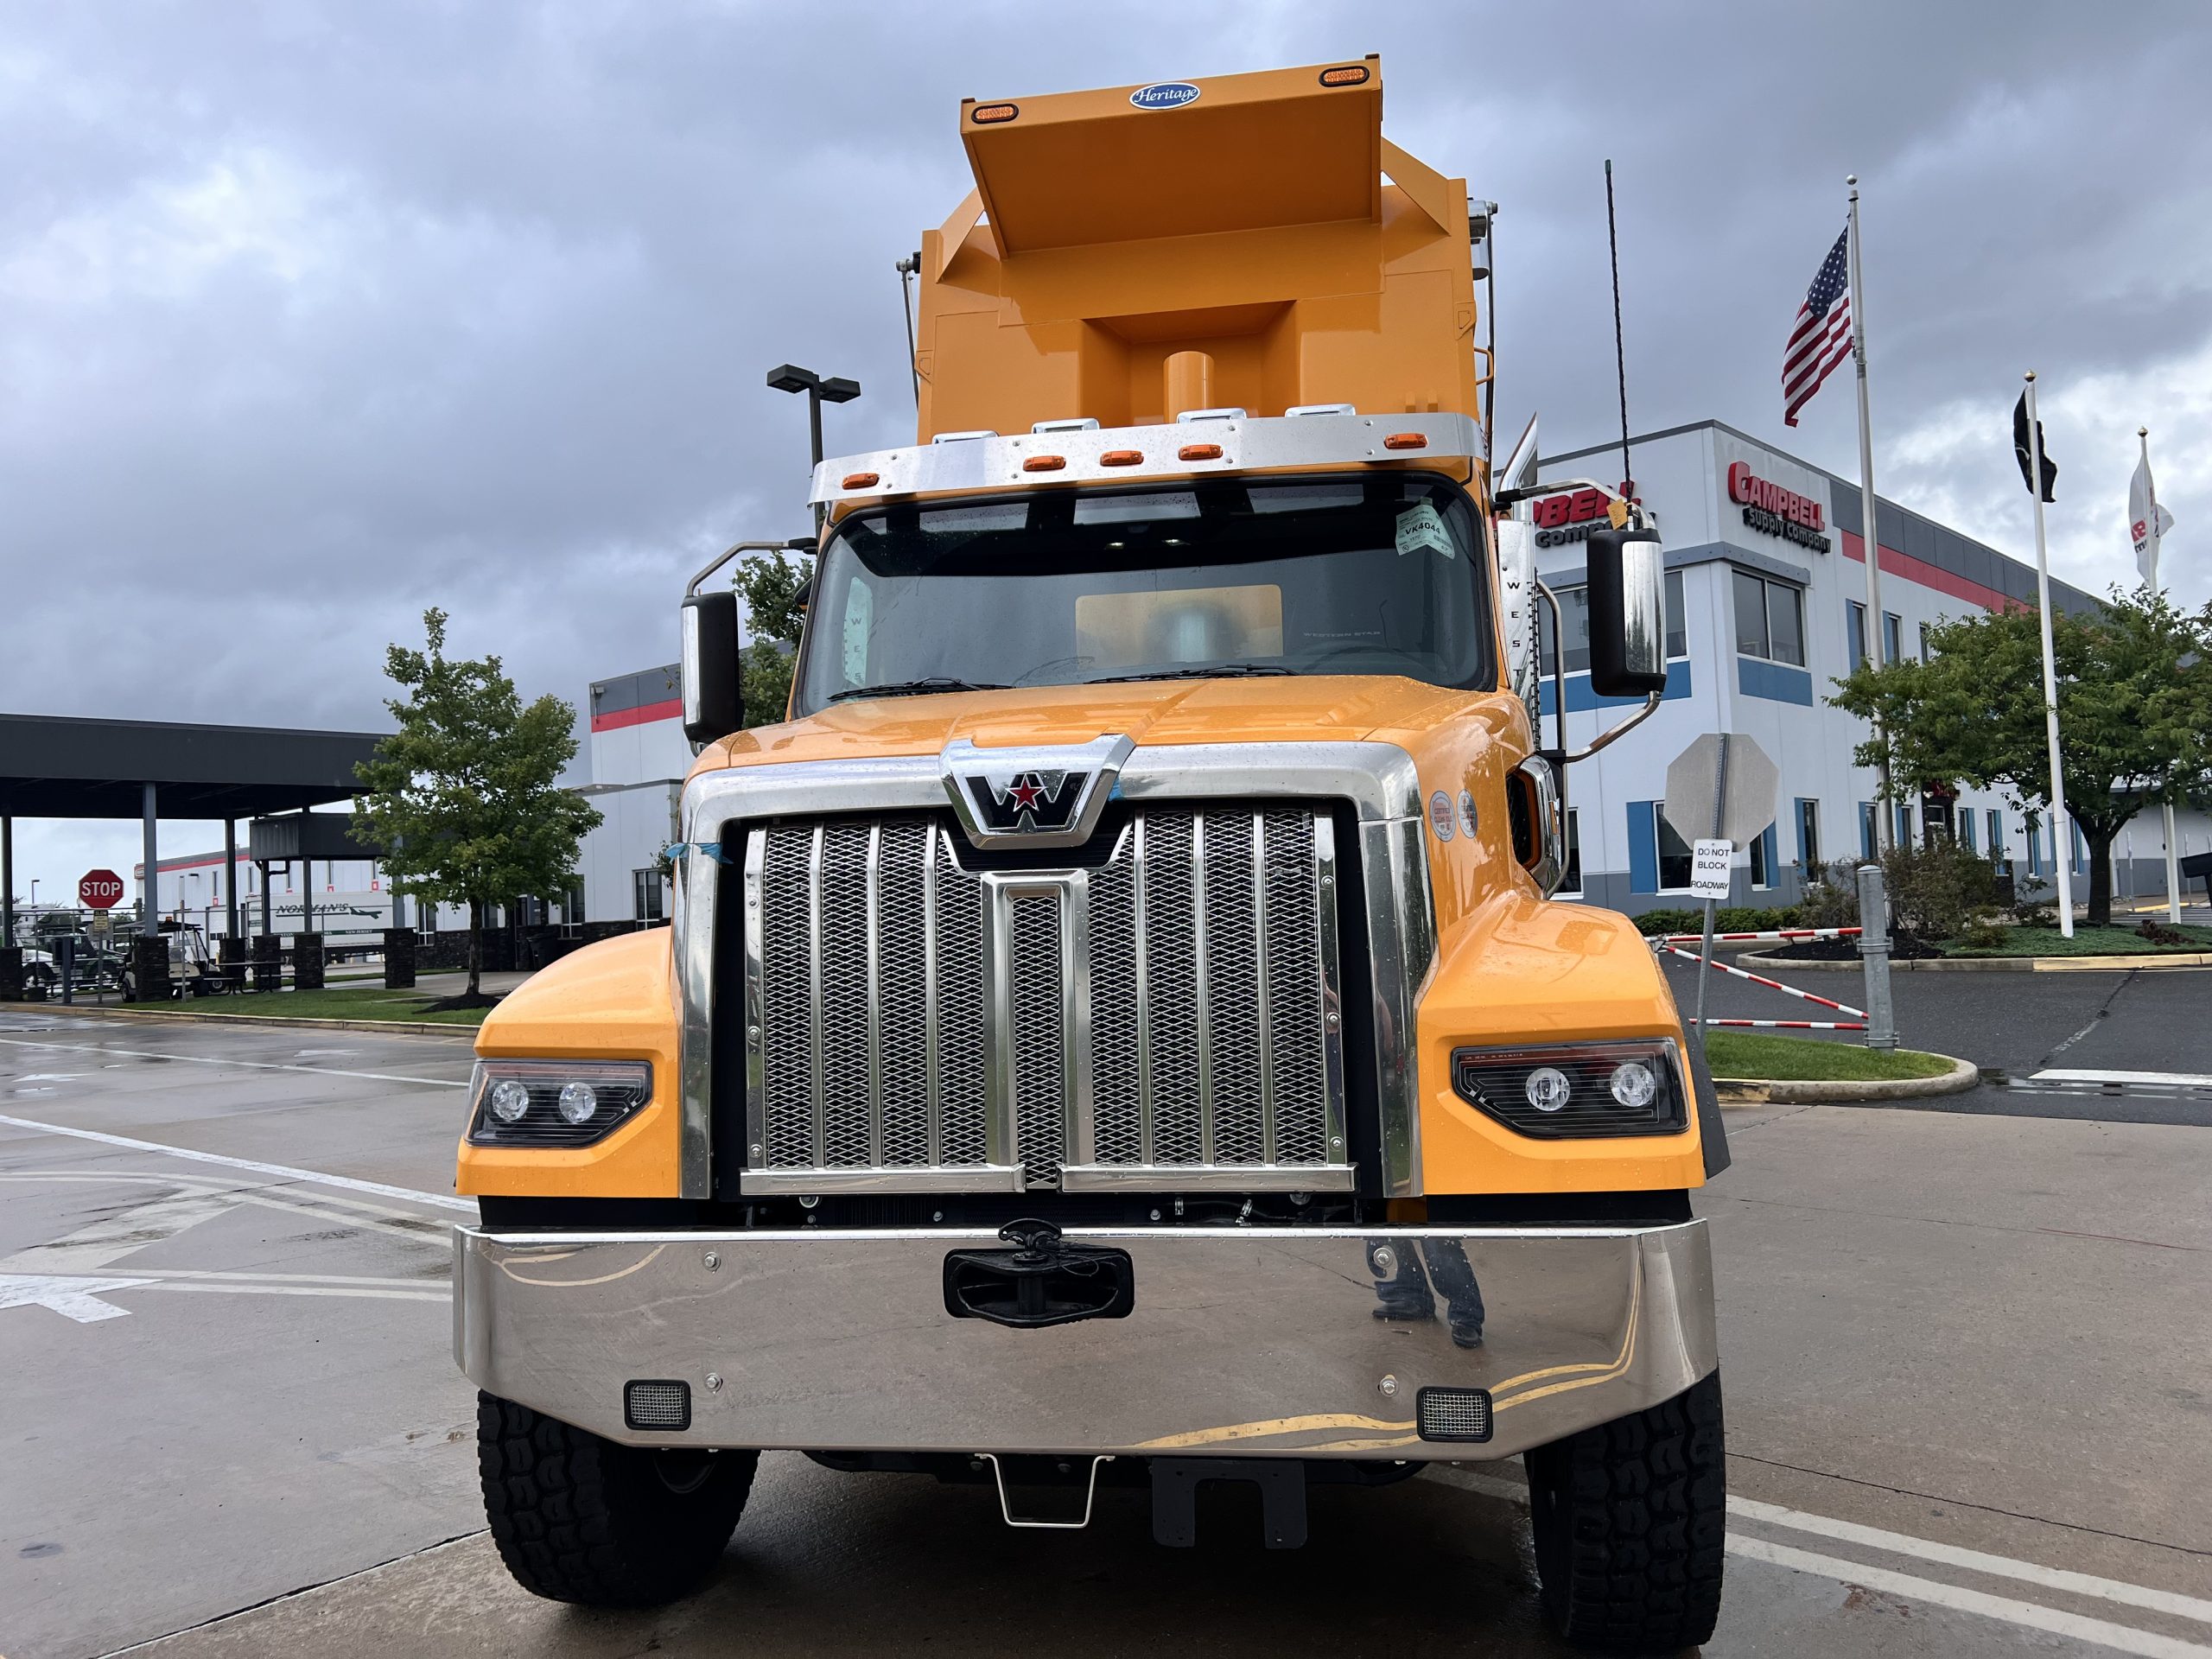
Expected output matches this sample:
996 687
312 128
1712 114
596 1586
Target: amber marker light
1044 463
1198 452
987 114
1121 458
1406 441
1351 74
861 481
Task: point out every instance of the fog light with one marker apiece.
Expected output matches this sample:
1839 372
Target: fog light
657 1405
510 1100
1453 1414
1633 1085
1547 1088
578 1102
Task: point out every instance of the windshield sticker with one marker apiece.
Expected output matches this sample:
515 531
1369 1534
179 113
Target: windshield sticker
1440 814
1421 526
860 613
1131 509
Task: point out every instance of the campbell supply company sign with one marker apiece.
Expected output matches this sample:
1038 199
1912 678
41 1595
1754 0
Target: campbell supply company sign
1767 506
1571 517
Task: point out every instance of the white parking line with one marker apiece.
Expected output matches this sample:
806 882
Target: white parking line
2184 1079
284 1171
2003 1567
249 1065
2027 1614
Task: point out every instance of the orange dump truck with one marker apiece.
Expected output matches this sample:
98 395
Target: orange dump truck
1114 1030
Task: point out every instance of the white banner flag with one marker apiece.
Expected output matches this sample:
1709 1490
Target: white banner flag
2146 520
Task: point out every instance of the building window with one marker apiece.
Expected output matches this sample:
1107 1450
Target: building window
1866 823
1892 636
1574 611
1927 652
1966 828
1673 854
1574 608
1855 644
1762 858
1904 823
1808 836
1996 820
646 889
1570 885
1770 619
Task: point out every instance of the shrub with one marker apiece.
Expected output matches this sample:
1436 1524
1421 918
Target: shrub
2159 933
1729 919
1984 929
1830 898
1933 890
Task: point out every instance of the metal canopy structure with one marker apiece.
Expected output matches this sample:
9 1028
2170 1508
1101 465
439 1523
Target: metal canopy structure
59 766
54 766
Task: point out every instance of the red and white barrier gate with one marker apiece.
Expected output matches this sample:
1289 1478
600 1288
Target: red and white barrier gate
1668 944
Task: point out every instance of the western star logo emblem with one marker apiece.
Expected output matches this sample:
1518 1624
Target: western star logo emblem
1025 803
1048 797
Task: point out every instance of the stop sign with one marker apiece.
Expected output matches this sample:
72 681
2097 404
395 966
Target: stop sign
101 890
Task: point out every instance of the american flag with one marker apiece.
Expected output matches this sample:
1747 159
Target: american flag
1821 338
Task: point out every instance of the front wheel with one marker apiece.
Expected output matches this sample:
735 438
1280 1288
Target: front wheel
582 1519
1630 1520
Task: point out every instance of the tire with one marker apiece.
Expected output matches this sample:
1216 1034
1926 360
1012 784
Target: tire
579 1518
1630 1520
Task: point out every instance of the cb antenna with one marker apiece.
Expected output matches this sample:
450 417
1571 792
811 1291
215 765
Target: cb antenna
907 267
1620 355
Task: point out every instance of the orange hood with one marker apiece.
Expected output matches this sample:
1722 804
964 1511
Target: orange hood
1303 708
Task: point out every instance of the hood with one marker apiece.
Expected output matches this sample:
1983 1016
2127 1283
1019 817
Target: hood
1269 709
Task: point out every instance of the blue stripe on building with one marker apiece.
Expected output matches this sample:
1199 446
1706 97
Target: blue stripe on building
1776 682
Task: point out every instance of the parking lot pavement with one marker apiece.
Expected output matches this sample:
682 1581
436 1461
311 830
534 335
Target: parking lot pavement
1964 1361
2015 1025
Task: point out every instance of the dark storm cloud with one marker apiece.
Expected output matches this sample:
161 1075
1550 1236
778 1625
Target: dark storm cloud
313 316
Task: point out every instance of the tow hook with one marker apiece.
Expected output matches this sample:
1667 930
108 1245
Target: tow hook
1043 1281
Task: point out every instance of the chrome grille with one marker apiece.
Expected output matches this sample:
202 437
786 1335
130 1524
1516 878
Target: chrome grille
1165 1019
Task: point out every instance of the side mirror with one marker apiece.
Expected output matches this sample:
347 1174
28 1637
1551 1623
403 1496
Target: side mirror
713 698
1628 614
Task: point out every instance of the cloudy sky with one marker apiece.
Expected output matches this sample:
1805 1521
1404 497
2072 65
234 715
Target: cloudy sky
314 316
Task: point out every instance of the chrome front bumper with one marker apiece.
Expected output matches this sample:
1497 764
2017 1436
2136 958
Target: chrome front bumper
1245 1341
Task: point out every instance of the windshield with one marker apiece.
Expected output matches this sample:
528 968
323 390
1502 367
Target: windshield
1370 576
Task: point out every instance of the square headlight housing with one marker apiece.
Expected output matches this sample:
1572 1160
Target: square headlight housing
1570 1091
554 1103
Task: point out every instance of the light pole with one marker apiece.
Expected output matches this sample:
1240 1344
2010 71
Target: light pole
789 376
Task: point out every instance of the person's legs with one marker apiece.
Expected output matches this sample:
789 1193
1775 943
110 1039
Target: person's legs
1455 1282
1401 1291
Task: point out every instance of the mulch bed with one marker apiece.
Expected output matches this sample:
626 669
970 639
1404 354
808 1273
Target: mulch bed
1902 947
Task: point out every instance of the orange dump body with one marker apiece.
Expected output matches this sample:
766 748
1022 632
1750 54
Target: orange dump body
1127 263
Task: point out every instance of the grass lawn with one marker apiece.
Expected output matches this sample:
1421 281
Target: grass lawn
1753 1054
2086 942
364 1002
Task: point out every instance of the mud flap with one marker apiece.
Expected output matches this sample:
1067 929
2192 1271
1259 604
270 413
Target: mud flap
1710 1132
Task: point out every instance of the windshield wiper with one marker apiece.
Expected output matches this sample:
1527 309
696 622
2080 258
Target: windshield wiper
1212 671
916 688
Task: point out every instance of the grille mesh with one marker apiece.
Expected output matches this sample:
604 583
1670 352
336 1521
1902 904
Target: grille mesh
1039 1047
1209 959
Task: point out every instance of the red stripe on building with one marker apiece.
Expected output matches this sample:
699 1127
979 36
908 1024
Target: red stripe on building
646 713
1929 576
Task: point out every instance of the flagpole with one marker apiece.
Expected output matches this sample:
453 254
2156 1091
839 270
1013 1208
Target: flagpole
1869 539
2061 850
2173 870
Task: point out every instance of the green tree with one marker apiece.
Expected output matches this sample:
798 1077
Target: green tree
462 796
771 589
2134 715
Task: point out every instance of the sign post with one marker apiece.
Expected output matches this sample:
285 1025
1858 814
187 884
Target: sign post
1719 796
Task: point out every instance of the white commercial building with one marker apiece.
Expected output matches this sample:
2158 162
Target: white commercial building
1766 607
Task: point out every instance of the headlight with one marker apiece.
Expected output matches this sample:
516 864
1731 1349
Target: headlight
554 1103
1572 1090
